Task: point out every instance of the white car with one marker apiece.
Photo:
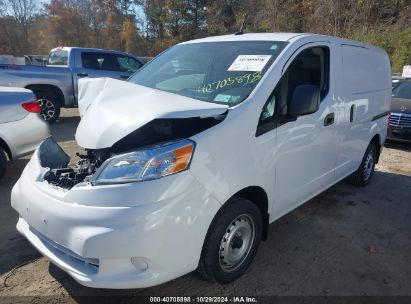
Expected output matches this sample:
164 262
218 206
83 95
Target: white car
188 162
21 129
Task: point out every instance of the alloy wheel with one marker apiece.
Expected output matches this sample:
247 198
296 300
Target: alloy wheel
47 109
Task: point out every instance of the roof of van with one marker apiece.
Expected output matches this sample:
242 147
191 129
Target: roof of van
276 37
250 36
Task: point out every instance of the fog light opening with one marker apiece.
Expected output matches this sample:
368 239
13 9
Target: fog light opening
139 263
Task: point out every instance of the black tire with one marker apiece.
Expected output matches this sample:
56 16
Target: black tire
3 163
50 105
236 215
364 173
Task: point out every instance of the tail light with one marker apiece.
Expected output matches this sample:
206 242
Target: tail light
32 106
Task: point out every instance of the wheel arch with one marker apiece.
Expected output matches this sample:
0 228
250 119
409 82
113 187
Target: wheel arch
48 87
6 148
257 196
376 141
254 194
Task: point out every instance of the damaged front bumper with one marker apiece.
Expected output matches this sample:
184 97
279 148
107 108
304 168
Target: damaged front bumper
115 236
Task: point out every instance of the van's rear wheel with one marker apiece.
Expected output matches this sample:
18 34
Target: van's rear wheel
363 175
49 106
231 242
3 163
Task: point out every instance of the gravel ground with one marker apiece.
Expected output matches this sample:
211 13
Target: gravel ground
346 241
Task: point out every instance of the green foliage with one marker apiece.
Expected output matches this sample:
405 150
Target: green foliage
395 41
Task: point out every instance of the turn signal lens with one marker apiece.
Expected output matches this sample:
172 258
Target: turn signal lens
32 106
182 158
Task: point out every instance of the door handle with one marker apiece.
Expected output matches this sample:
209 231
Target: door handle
82 75
329 119
352 113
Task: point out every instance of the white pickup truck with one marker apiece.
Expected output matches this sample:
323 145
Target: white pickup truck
56 84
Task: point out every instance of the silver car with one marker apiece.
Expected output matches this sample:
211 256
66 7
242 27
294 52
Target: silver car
21 128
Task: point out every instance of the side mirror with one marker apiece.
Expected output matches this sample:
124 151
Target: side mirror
305 100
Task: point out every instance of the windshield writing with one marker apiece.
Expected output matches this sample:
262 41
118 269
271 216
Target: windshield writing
218 72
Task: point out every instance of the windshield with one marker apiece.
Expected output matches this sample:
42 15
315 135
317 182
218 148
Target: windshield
402 90
57 58
218 72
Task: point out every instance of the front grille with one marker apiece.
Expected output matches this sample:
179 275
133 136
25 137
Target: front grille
400 120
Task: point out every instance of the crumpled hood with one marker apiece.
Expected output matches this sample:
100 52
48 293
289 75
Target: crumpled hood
110 109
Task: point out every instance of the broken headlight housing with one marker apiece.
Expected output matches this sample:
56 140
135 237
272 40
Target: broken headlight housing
146 164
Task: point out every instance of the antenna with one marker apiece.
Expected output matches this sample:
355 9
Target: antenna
241 31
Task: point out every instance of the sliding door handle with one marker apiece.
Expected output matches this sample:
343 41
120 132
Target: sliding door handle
329 119
352 113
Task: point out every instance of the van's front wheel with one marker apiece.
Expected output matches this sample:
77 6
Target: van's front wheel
231 242
363 175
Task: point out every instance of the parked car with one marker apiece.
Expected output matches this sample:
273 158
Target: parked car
396 80
55 85
399 125
21 128
188 161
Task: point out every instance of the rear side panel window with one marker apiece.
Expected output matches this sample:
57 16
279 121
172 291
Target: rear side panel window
109 62
100 61
92 60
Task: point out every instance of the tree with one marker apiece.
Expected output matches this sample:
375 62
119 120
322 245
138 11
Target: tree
153 12
130 37
22 13
221 16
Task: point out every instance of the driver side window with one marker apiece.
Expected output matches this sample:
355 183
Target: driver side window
310 67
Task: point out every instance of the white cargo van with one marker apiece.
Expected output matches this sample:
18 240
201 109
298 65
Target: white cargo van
187 163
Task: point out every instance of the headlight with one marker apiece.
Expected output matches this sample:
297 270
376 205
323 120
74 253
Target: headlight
146 164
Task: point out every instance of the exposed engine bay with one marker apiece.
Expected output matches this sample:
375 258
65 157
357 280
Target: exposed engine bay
66 176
